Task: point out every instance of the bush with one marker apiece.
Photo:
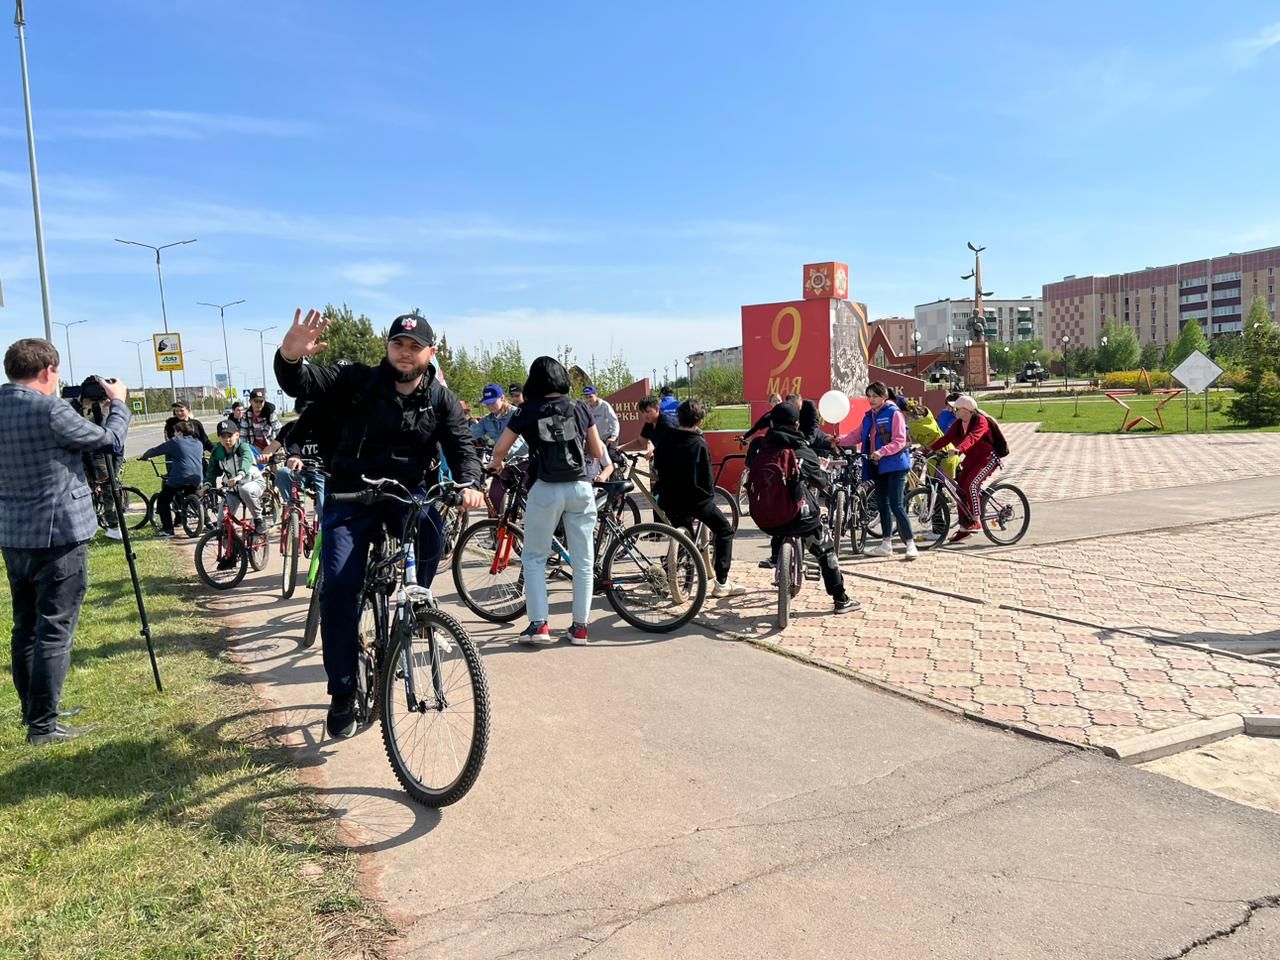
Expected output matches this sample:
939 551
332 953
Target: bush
1134 380
1234 379
1258 403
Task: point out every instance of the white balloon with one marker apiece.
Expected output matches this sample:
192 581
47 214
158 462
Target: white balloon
834 406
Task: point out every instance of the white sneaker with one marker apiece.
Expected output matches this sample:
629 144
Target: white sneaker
113 533
883 549
911 552
727 589
928 537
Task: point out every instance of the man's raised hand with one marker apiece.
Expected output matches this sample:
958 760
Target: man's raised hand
303 338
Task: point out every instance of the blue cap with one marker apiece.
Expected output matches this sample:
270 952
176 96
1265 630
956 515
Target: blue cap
588 391
491 393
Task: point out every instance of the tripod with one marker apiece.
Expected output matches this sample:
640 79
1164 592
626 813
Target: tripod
131 557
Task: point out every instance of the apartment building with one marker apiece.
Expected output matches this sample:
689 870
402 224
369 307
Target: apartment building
1157 301
897 330
1005 321
722 357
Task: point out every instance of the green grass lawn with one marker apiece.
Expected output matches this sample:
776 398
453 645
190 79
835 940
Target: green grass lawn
177 828
728 418
1099 415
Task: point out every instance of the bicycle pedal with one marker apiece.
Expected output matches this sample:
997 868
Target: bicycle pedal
812 574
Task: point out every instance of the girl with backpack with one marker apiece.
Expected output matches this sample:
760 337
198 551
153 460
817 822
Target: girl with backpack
978 437
562 437
883 438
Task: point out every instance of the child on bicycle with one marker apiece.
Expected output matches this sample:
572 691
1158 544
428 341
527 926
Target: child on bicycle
780 485
234 461
686 489
184 455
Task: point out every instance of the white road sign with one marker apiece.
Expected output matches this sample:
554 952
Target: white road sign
1197 372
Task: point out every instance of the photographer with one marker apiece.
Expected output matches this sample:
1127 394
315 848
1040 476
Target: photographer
46 518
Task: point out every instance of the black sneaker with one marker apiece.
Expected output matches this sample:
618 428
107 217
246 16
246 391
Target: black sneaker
342 716
767 564
847 604
59 734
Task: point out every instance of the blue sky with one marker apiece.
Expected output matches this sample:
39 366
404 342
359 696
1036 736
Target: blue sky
614 176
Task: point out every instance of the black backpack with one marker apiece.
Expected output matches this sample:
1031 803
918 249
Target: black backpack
998 443
560 448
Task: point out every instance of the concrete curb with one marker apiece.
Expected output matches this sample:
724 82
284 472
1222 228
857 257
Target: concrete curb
1262 726
1164 743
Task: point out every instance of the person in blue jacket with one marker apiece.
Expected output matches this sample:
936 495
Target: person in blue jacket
488 430
184 455
668 406
883 438
948 415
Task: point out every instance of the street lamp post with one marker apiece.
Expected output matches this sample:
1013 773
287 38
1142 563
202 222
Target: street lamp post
222 315
71 367
915 337
951 357
20 21
142 383
261 356
164 314
1066 375
967 345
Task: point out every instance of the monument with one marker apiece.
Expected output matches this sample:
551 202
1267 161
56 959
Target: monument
977 362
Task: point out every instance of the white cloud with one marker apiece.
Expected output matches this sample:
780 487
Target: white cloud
157 125
373 273
1246 51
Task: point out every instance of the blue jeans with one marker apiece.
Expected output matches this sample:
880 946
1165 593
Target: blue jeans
308 478
889 487
349 528
547 503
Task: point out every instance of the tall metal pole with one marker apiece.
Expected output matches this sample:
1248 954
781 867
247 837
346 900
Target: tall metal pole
164 315
141 379
261 356
20 20
222 314
71 367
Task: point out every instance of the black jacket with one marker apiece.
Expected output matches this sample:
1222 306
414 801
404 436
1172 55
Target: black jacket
811 471
199 434
683 464
379 432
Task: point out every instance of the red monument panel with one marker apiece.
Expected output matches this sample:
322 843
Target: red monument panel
825 281
626 404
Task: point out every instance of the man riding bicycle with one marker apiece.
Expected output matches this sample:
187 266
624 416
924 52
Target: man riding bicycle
233 459
388 421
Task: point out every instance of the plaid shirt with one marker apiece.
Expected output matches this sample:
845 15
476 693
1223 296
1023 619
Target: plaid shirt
44 500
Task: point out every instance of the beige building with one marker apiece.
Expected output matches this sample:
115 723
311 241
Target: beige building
723 357
897 331
1156 302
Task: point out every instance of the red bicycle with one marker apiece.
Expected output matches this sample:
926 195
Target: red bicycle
226 551
299 532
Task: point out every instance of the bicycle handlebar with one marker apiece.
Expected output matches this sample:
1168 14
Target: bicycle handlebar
381 490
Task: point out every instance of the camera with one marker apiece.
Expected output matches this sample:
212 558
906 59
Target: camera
92 389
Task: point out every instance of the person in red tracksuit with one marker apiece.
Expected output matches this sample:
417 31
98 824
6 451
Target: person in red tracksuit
971 435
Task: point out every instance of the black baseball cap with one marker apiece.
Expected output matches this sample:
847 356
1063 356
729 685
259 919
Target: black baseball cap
257 394
180 403
413 327
227 427
516 388
784 415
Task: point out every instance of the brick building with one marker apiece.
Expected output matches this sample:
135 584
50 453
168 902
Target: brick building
1157 301
897 330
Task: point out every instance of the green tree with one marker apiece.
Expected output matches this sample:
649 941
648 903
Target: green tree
350 337
1189 340
1257 402
1080 360
719 385
1121 351
1151 356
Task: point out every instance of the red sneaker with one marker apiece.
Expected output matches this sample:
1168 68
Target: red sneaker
961 534
577 635
535 634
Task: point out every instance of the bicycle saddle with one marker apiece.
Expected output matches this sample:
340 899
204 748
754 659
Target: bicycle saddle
615 488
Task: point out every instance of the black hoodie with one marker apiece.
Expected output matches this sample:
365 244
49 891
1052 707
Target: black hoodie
683 465
810 469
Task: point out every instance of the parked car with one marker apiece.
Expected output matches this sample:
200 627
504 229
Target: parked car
1032 372
943 374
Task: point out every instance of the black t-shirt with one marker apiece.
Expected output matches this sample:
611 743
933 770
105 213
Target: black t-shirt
683 465
654 432
525 422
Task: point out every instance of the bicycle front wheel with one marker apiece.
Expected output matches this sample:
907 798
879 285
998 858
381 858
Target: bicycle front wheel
727 504
289 554
930 516
192 515
455 523
839 508
259 551
1006 513
653 577
221 558
782 573
488 572
435 709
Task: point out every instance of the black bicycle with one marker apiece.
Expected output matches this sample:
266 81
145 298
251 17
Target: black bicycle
419 671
